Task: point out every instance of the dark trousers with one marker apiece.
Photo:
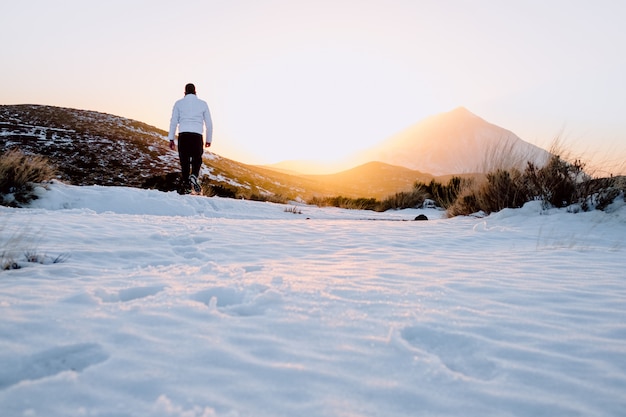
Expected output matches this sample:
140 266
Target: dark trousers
190 153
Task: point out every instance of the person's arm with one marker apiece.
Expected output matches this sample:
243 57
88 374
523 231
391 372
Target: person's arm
173 123
208 123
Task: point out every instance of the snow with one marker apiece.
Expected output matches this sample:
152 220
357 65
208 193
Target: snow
169 305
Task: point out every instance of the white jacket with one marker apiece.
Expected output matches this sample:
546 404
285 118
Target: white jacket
188 115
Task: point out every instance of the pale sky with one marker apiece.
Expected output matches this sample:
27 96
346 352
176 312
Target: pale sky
295 79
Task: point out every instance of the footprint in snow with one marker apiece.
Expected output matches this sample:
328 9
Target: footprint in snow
50 362
129 294
460 353
241 302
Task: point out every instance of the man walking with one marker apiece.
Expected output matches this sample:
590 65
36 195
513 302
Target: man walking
189 115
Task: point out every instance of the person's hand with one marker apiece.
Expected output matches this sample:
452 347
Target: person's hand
207 145
172 145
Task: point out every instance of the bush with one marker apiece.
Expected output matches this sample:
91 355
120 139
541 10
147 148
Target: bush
345 202
164 182
600 193
402 200
503 189
219 190
557 184
443 195
465 204
18 174
500 189
411 199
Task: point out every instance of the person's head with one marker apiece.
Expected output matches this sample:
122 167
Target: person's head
190 89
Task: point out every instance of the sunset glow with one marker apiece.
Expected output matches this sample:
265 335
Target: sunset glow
319 80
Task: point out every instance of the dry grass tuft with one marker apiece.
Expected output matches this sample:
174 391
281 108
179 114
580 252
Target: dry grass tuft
18 173
18 247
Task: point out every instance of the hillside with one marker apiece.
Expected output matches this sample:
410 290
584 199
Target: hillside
372 179
87 147
90 148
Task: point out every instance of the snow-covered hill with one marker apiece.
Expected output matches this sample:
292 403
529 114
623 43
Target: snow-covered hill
88 147
169 305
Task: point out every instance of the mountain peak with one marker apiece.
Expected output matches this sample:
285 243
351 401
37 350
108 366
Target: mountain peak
459 113
454 142
460 110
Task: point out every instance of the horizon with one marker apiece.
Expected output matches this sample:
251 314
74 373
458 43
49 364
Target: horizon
322 81
558 145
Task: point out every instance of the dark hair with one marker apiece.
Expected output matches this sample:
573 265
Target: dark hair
190 89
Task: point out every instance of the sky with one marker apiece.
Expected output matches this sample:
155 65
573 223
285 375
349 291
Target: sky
319 80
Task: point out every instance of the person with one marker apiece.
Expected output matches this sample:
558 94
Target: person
189 115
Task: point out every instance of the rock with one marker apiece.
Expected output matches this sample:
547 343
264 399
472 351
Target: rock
421 217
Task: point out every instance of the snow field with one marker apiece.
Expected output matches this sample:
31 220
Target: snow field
187 306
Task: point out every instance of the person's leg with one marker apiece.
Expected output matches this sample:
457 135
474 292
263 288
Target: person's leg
184 154
196 155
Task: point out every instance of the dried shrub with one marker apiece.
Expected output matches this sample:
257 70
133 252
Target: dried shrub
503 189
411 199
345 202
18 247
466 202
498 190
601 192
18 174
444 195
557 184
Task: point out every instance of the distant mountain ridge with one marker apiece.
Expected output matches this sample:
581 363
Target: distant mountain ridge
372 179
